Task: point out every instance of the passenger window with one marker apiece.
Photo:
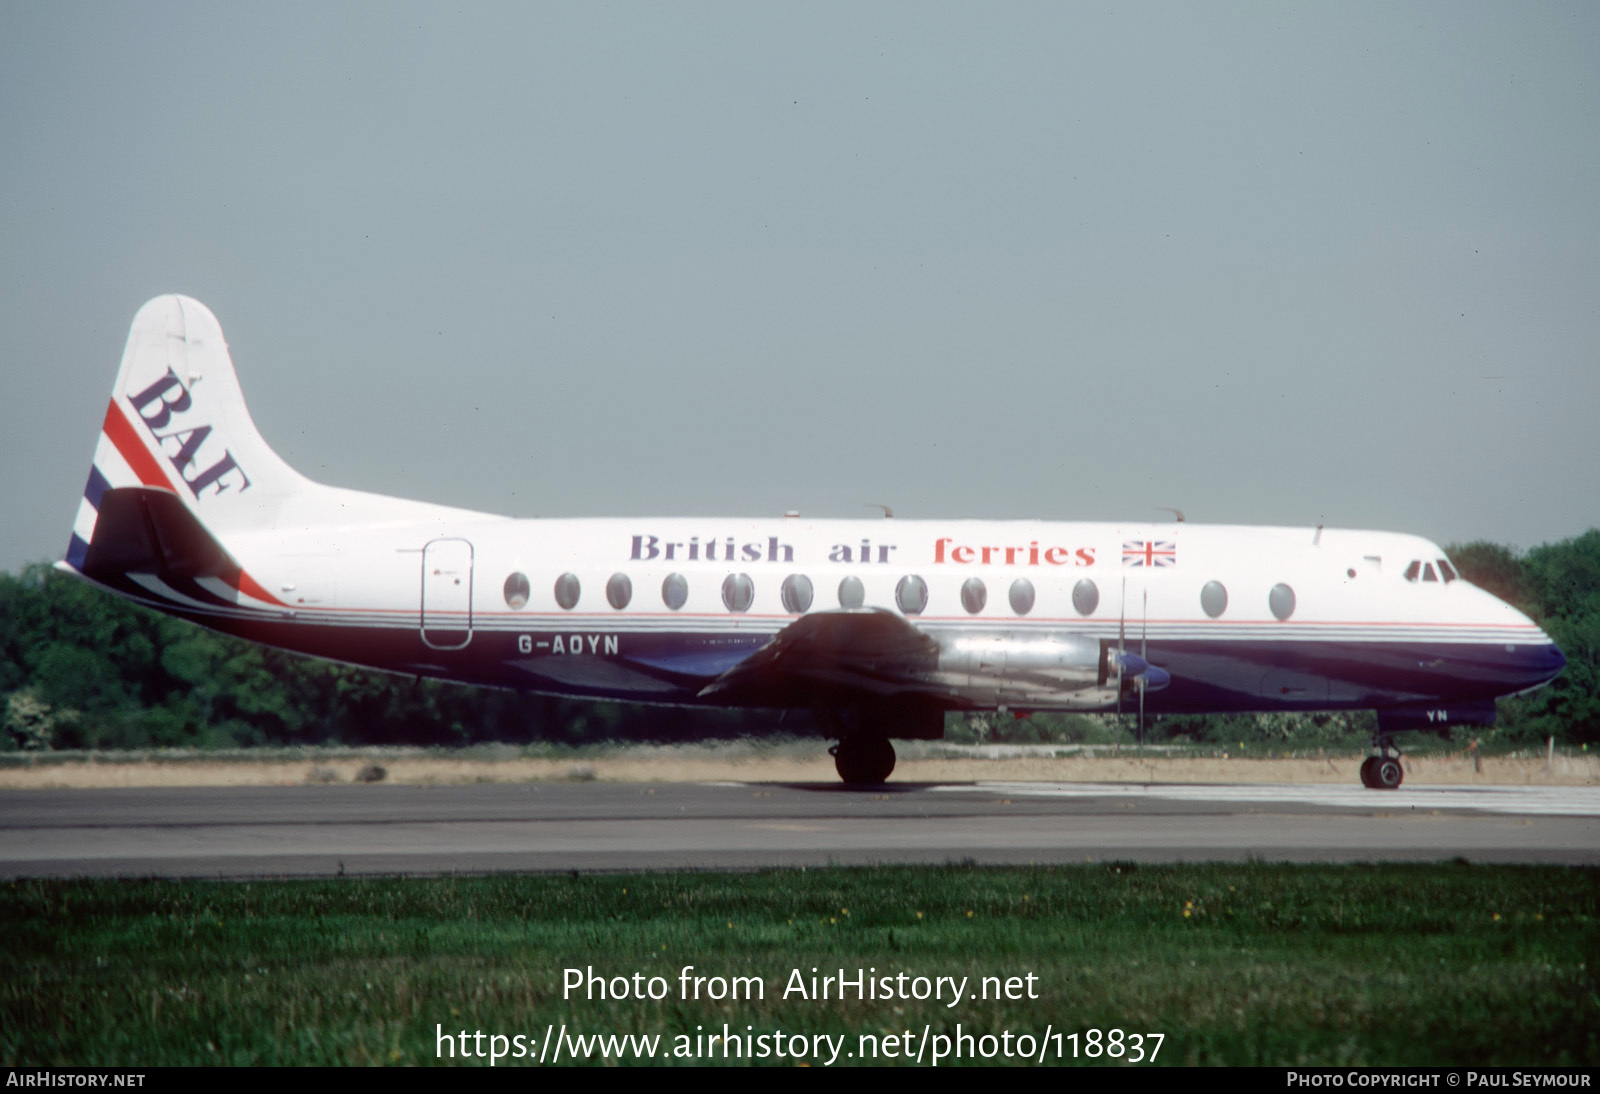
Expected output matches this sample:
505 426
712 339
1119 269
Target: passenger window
517 591
619 590
974 595
1022 596
738 591
1085 597
796 593
567 591
1214 599
911 594
675 591
851 594
1281 601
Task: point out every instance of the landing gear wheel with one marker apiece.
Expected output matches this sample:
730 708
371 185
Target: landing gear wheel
863 761
1387 773
1382 770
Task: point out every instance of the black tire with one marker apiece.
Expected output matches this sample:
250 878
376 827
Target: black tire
864 761
1368 779
1387 774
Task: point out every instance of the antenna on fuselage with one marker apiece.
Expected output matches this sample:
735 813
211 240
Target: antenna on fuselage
888 514
1178 513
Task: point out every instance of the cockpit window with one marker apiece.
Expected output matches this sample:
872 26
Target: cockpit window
1423 570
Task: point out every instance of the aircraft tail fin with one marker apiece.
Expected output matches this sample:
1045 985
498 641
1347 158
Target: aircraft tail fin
177 426
177 423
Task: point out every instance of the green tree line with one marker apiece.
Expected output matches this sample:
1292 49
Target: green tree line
82 669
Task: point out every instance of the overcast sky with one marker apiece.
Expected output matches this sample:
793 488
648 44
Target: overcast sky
1267 263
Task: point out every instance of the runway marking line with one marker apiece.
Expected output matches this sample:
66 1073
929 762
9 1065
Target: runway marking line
1509 800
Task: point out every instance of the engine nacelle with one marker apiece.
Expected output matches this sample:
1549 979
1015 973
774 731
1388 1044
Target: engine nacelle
1064 657
998 668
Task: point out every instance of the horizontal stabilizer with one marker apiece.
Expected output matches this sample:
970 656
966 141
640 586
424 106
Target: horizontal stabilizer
148 530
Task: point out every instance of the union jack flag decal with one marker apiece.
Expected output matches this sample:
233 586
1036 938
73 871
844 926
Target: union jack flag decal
1155 552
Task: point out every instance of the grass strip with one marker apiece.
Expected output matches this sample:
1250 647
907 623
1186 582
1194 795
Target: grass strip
1235 964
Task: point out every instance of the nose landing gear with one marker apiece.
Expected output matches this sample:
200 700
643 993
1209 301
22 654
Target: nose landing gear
1383 771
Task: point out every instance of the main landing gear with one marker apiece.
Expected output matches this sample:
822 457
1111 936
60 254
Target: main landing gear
1382 771
863 760
864 755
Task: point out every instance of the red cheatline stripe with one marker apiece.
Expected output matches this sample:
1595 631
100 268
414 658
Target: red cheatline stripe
251 587
127 442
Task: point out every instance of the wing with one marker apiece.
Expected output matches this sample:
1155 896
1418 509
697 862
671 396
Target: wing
854 654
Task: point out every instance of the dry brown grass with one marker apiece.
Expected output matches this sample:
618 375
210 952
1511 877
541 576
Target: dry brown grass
800 761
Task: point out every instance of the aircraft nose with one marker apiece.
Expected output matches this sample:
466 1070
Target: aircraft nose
1558 660
1542 663
1533 659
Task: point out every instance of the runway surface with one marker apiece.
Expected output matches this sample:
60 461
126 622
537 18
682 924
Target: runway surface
330 830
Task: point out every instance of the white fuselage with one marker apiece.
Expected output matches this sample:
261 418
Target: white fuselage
187 508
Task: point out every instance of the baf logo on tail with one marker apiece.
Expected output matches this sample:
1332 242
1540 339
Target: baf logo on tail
156 407
176 422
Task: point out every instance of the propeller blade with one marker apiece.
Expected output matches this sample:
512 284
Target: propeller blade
1122 620
1141 716
1144 628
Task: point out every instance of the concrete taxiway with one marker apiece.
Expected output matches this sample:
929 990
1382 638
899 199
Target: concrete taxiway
330 830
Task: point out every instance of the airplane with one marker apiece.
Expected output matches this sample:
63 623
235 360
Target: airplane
880 626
